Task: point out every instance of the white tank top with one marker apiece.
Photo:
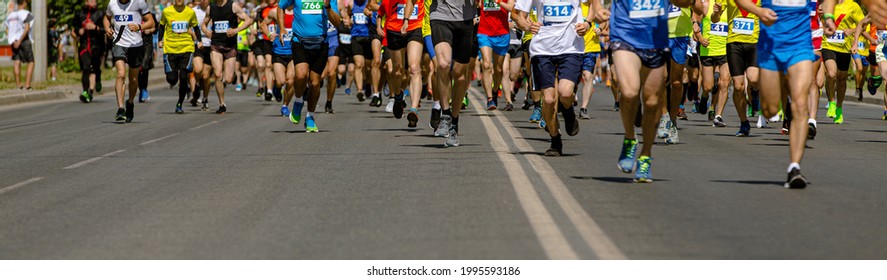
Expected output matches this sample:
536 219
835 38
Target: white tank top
124 14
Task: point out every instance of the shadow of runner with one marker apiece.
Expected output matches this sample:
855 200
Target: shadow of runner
750 182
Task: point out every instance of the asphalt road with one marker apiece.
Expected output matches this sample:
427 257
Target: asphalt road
251 185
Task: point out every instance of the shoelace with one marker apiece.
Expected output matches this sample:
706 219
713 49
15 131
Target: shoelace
644 166
628 148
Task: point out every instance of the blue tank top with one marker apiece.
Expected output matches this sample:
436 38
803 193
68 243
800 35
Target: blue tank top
359 21
310 19
642 24
791 31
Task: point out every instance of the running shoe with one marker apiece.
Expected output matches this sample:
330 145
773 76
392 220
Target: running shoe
626 157
490 104
98 85
143 96
811 130
443 127
643 173
376 101
832 107
662 130
744 129
695 109
672 134
795 180
762 122
884 117
179 108
616 107
786 127
238 88
583 114
205 106
452 137
557 147
222 109
434 121
509 106
527 104
121 115
348 91
361 96
390 107
130 111
310 125
328 108
718 122
711 116
542 124
259 92
413 118
284 111
85 97
268 96
681 114
296 113
537 115
839 115
399 105
859 94
194 101
571 123
464 102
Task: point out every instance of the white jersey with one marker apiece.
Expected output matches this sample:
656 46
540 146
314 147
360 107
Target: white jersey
201 14
558 32
124 14
15 22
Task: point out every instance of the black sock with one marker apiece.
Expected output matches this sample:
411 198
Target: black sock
448 112
556 142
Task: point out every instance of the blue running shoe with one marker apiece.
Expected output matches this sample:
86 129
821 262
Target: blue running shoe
542 124
143 97
626 158
490 104
310 125
744 129
406 92
284 111
296 113
643 173
536 116
179 108
348 91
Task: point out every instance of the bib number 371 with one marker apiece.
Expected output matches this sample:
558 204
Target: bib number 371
646 8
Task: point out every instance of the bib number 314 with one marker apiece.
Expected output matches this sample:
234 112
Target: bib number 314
557 12
646 8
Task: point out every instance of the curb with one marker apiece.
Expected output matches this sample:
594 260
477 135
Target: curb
56 94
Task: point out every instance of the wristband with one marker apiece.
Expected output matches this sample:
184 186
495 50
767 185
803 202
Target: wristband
828 16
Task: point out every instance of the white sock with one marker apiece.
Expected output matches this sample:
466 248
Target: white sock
793 165
376 94
284 106
310 114
812 120
299 101
436 105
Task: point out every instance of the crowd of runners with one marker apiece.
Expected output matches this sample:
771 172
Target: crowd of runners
777 57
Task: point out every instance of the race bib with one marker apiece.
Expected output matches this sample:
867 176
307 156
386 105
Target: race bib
124 19
812 7
790 3
288 36
646 8
555 12
330 28
345 38
272 28
515 42
413 15
491 6
359 18
743 26
179 26
882 35
312 7
220 26
861 45
837 38
674 11
718 29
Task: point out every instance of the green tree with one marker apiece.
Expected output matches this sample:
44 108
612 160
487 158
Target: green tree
63 11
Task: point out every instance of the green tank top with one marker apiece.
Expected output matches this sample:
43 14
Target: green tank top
243 39
680 23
